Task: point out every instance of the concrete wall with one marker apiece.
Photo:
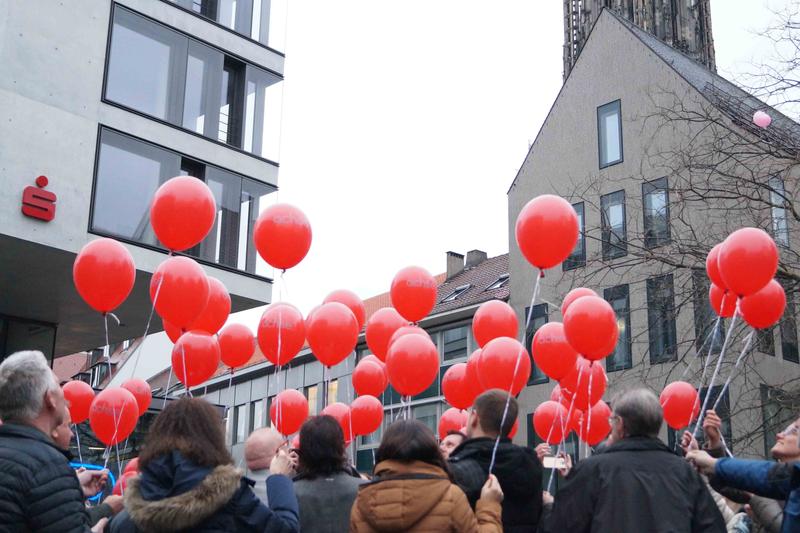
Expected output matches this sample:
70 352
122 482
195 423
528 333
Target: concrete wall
564 160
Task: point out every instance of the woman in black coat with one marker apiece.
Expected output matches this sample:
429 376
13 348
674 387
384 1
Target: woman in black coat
188 481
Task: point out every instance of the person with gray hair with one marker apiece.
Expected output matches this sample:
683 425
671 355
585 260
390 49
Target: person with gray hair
637 483
39 491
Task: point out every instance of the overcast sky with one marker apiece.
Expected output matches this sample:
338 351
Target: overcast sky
404 124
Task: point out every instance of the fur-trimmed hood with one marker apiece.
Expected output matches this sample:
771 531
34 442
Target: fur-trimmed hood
187 509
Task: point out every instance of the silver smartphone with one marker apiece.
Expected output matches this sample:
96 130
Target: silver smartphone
551 461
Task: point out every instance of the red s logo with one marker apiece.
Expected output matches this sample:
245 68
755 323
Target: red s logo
39 203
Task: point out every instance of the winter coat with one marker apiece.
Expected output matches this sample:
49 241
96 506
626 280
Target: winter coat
418 497
518 471
326 501
38 489
767 514
636 484
779 481
174 494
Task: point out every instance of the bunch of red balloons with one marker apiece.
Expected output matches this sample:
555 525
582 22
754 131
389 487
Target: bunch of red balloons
741 269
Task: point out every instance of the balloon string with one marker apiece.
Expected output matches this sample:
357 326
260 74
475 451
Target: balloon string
119 467
508 402
114 436
589 410
78 439
558 450
279 407
230 408
716 371
137 351
267 420
739 360
108 346
569 415
185 375
536 288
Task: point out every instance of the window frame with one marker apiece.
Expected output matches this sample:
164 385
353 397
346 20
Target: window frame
539 311
647 188
456 293
777 194
600 109
179 104
443 332
789 320
502 281
100 128
654 307
613 251
572 261
618 292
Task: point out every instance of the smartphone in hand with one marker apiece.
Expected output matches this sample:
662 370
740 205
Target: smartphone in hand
551 461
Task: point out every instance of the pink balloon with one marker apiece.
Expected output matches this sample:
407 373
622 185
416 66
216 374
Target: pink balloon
761 119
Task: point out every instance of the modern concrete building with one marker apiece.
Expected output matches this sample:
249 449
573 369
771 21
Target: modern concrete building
663 164
468 282
107 100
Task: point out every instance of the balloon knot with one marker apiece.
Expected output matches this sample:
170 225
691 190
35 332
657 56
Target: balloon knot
541 273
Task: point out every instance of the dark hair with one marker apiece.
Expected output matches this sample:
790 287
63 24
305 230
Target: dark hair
410 440
321 448
456 432
191 426
490 407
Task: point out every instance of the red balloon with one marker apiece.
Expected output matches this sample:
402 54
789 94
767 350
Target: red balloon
494 319
332 333
681 404
595 427
195 357
552 353
217 309
281 332
763 309
182 289
747 260
182 212
380 328
236 345
369 379
412 364
413 293
546 230
452 420
352 301
722 302
122 483
372 359
590 326
574 419
473 379
573 295
288 411
504 364
712 267
141 391
548 419
79 396
341 412
408 330
113 415
366 413
555 394
585 376
174 333
455 388
282 235
132 466
104 274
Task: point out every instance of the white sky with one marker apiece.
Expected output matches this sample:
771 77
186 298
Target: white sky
404 124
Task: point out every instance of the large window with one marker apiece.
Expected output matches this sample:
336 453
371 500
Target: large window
661 319
655 200
19 334
609 134
333 392
780 224
427 414
454 343
619 299
240 423
128 173
165 74
538 319
615 237
578 256
260 20
788 327
311 395
256 415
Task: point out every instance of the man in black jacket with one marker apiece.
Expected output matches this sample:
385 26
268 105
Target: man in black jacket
39 491
636 483
517 469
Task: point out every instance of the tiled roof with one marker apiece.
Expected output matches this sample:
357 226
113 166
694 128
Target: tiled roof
69 365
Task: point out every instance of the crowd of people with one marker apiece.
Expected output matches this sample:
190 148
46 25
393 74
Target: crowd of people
475 479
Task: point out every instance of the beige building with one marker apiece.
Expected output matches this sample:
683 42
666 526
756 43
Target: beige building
659 157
